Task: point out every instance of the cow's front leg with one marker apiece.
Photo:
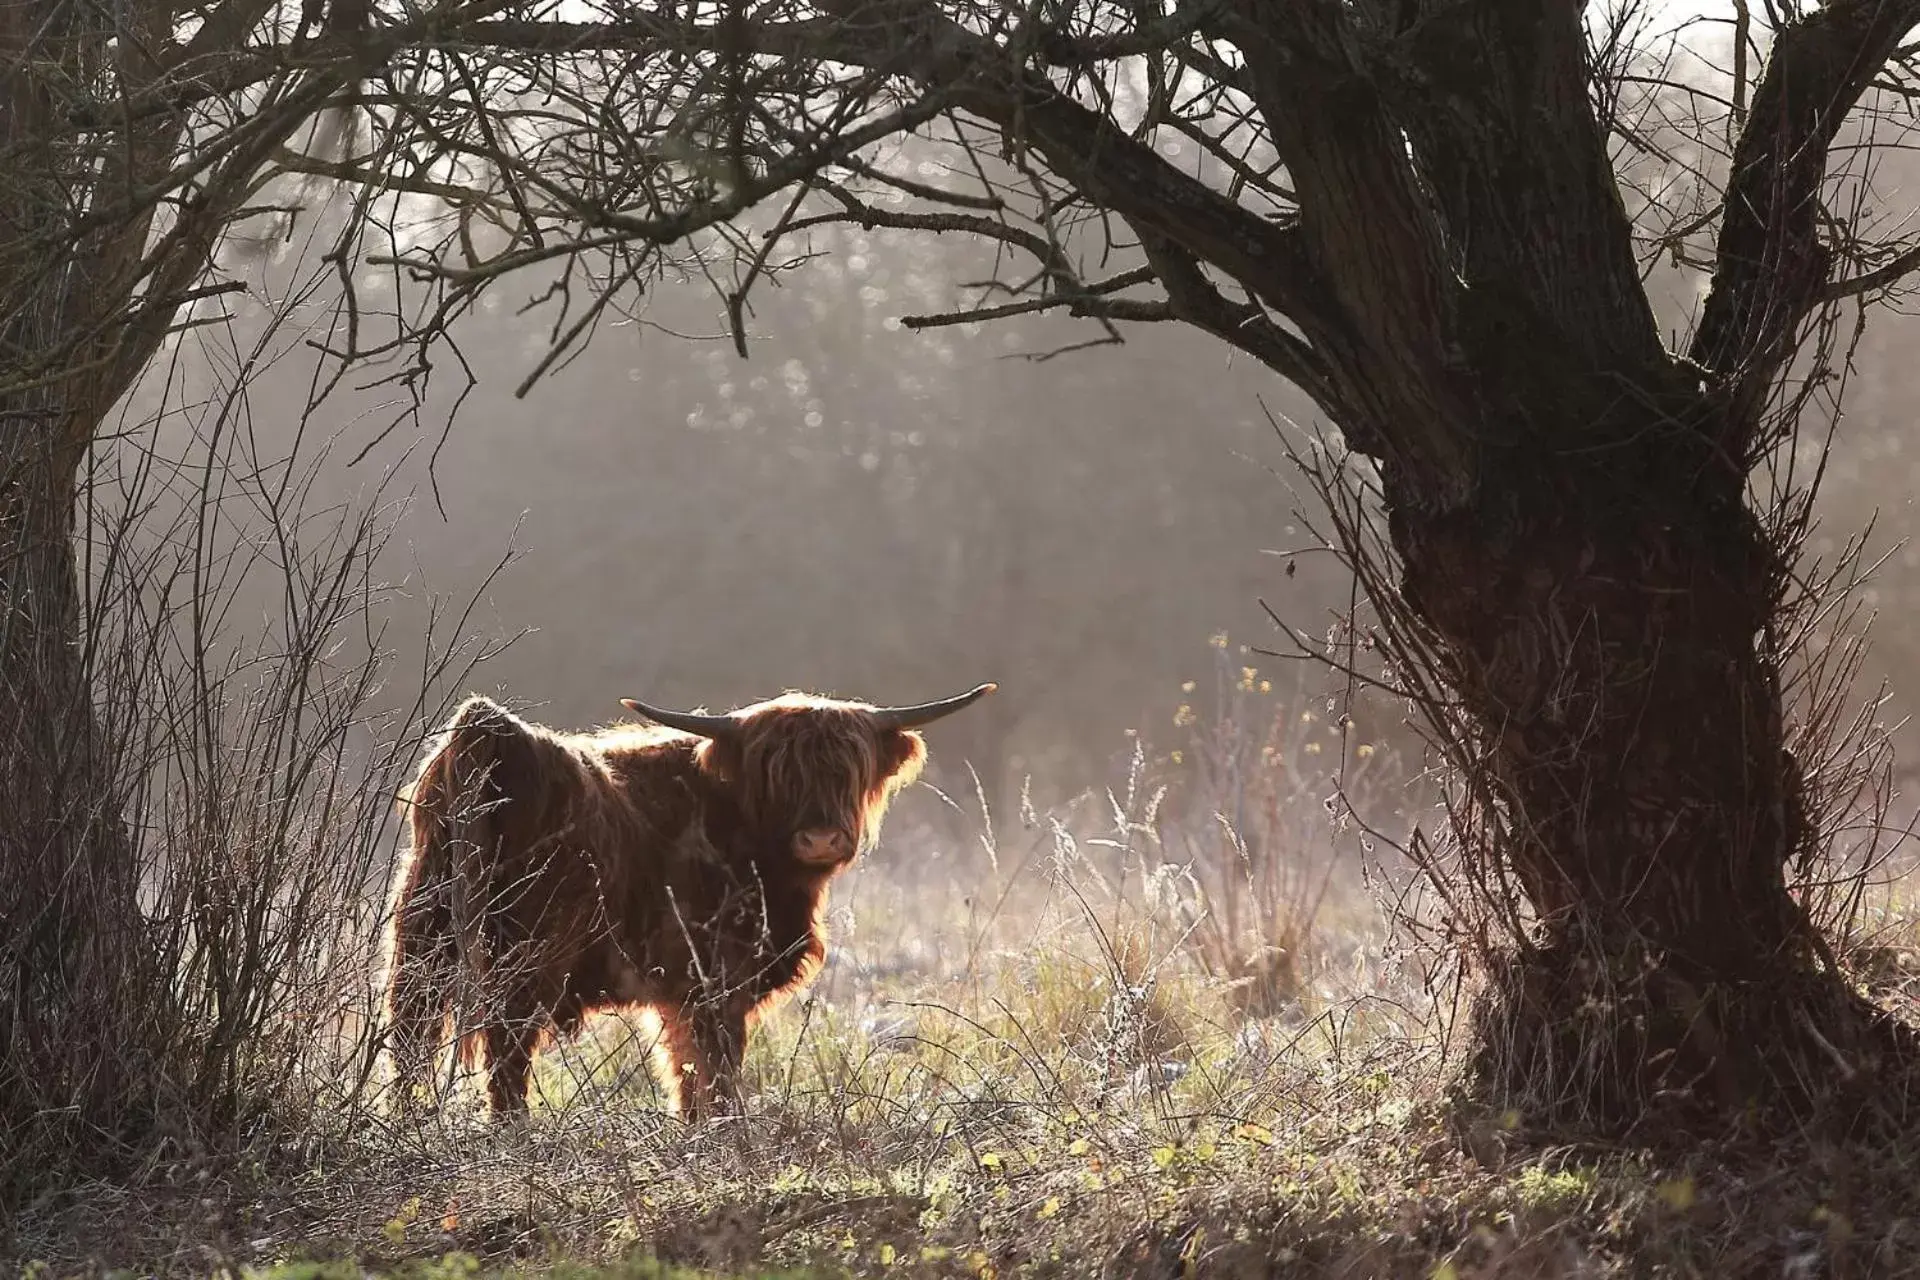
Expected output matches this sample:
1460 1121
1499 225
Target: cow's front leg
701 1051
720 1037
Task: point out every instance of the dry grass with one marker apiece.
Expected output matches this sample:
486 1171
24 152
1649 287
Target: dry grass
996 1133
1032 1068
1165 1029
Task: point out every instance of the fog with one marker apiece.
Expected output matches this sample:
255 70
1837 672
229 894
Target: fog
855 507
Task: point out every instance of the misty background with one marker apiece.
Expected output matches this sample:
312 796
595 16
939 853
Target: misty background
856 508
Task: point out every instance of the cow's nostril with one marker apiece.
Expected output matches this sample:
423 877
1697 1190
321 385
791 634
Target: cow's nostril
822 846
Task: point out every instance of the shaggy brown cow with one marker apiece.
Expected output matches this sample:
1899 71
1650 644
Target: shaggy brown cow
683 869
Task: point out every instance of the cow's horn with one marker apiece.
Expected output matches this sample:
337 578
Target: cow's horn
928 712
705 726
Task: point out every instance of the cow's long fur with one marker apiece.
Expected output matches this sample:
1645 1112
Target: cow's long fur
553 875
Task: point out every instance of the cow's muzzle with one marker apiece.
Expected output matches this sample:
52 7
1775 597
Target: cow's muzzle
824 847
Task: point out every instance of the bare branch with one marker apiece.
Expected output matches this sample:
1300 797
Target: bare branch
1879 278
616 228
1771 265
1090 300
1247 327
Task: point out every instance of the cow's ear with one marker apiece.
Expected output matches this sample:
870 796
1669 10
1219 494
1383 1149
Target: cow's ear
718 758
903 754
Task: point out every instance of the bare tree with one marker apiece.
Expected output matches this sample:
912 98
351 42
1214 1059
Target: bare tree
1412 211
105 234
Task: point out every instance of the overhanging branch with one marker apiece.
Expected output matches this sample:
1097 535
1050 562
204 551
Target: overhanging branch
1244 325
1092 300
912 39
613 228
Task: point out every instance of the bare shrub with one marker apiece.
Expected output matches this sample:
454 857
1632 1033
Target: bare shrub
235 642
1260 821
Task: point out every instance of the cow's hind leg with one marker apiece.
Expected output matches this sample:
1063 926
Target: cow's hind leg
521 1012
720 1037
673 1058
511 1039
420 995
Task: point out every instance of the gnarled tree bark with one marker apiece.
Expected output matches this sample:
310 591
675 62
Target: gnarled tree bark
1607 618
71 999
1599 589
77 1006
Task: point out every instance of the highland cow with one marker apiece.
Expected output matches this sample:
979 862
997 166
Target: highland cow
682 868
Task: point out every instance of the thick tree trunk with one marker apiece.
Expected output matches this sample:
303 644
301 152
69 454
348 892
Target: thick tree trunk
1607 613
88 293
75 1003
85 1013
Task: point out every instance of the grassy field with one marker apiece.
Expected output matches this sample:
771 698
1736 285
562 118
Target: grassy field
1123 1039
1050 1112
